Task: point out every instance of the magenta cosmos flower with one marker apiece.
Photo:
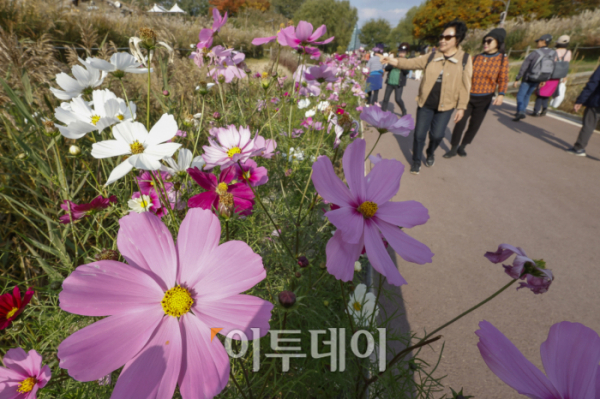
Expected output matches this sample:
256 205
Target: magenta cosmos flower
161 307
570 357
234 145
79 211
251 173
303 35
11 306
365 213
23 375
386 121
538 277
221 195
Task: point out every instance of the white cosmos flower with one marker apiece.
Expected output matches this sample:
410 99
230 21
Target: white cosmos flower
305 102
208 85
323 105
146 149
81 118
123 62
141 204
357 266
183 163
86 79
362 305
310 113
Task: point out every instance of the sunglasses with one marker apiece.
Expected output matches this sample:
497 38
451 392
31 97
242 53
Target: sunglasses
488 41
447 37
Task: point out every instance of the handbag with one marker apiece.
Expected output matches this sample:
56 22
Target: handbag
561 68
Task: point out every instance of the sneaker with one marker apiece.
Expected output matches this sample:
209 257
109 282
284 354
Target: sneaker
461 151
416 168
430 161
534 114
579 153
451 153
544 110
518 117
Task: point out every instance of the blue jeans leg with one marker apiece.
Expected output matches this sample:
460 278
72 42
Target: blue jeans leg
434 122
438 128
525 92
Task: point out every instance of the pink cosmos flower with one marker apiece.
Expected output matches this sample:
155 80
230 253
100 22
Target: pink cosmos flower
538 277
297 133
251 173
226 63
181 133
386 121
11 306
366 213
321 73
303 35
221 195
23 375
79 211
161 306
570 357
218 21
146 183
334 97
155 203
313 52
281 37
267 146
233 145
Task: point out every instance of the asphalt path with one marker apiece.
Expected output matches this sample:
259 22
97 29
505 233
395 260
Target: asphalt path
517 185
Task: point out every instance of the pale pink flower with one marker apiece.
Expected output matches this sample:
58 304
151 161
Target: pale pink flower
23 375
233 145
268 146
159 308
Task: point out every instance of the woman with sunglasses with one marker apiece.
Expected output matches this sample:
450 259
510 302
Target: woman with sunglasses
445 87
490 71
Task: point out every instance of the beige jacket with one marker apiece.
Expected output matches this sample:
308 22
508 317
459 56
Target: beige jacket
456 83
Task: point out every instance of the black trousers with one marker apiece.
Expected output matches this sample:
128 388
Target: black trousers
373 95
477 108
398 97
540 103
590 120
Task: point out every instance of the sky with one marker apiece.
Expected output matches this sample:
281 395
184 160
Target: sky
392 10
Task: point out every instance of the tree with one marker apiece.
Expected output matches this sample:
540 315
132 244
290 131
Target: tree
374 31
403 32
231 6
565 8
260 5
287 8
338 16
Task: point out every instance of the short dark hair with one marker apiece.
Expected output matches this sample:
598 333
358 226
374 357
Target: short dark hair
562 45
459 27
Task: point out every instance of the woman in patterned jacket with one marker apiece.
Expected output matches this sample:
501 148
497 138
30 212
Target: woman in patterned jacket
490 71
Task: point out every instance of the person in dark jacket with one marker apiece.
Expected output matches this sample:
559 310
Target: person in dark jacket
395 82
590 98
527 86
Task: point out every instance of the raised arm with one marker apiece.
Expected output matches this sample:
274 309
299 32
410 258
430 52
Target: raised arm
407 63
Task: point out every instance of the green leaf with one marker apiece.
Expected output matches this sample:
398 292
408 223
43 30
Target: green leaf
27 88
49 270
17 102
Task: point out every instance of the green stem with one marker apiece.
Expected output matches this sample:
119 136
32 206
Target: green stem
375 145
377 299
126 99
148 105
199 128
222 101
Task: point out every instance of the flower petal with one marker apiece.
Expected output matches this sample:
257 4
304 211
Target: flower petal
146 242
509 364
154 371
144 161
328 185
119 171
570 357
109 148
162 150
164 130
379 256
205 200
205 365
238 312
76 130
354 169
503 252
383 181
349 222
207 181
341 257
93 352
404 214
231 269
198 237
303 31
407 247
23 363
108 287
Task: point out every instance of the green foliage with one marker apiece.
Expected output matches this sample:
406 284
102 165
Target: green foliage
565 8
287 8
338 15
374 31
403 32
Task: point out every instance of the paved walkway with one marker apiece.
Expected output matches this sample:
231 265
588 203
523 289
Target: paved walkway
516 186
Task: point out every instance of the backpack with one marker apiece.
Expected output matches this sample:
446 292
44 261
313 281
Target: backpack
542 69
561 68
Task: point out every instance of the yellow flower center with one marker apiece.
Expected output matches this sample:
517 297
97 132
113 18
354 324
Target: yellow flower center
177 301
368 209
95 119
144 204
12 313
224 64
357 306
137 147
27 385
233 151
120 117
221 189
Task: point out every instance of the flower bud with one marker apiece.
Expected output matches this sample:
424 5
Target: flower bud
166 93
325 303
287 299
343 105
225 207
221 79
203 88
74 150
216 115
298 275
148 37
357 266
303 261
107 254
50 128
288 172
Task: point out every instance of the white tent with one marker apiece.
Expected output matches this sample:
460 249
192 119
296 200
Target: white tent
176 8
156 8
